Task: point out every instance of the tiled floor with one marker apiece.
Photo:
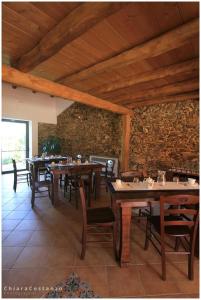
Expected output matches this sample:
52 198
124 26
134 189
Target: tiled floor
42 246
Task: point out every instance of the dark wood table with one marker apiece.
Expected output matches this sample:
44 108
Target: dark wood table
130 195
39 162
68 169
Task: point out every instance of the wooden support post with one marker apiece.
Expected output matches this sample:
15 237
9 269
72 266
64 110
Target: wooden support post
126 120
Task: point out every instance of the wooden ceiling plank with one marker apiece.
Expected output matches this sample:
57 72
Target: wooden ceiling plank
171 40
71 27
16 77
172 70
32 13
180 87
56 10
171 98
20 22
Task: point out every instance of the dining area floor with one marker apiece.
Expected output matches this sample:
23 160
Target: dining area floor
41 247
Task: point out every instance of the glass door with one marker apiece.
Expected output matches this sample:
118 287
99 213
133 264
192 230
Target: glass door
15 144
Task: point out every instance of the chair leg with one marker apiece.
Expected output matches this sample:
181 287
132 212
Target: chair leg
70 193
27 179
30 181
76 198
177 242
88 196
106 185
49 193
33 197
60 180
15 184
191 266
148 235
115 240
84 242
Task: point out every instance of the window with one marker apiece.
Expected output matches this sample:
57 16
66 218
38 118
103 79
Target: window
15 144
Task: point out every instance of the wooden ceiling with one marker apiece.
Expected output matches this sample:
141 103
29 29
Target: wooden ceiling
130 54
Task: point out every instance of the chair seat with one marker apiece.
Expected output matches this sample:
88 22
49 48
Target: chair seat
172 229
100 215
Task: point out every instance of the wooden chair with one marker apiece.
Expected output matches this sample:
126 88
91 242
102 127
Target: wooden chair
72 183
109 169
106 174
94 219
20 176
129 176
43 172
40 189
178 219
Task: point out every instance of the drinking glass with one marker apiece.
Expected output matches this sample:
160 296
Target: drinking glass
176 179
136 179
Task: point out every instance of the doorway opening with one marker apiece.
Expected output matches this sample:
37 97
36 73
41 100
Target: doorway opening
15 144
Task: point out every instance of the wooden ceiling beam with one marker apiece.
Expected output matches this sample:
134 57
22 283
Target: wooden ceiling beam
168 41
169 89
186 67
167 99
39 84
71 27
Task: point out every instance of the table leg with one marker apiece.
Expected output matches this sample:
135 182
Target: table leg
125 235
55 194
97 187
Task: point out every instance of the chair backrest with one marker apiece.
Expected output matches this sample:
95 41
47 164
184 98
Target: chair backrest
83 202
109 167
185 206
14 165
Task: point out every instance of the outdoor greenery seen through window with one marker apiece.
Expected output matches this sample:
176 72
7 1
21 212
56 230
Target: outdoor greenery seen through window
13 145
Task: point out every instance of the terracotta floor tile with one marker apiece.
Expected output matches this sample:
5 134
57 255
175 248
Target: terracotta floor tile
49 277
62 240
10 224
32 257
27 225
60 257
125 282
24 207
156 285
21 279
5 233
34 215
51 239
5 213
16 215
43 225
95 255
97 277
41 238
9 206
10 255
18 238
139 256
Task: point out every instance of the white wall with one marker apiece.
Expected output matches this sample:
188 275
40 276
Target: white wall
23 104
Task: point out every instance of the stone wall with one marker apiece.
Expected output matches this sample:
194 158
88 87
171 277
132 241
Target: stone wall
161 135
88 130
45 130
166 135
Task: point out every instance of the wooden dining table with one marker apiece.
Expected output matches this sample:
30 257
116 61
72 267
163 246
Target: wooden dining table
39 162
128 195
57 170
